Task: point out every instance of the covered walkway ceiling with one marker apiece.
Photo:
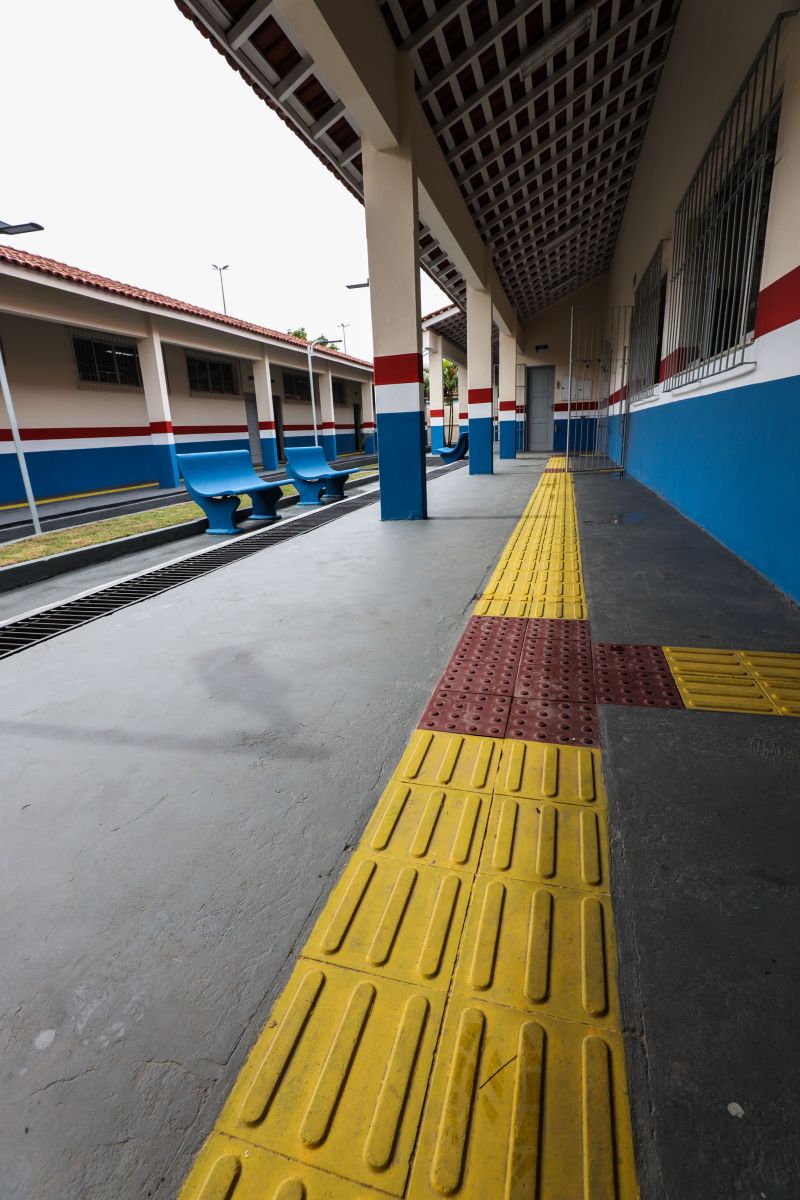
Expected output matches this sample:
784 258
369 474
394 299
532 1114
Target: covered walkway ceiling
539 108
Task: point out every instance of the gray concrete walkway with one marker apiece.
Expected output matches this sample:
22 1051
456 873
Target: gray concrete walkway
181 783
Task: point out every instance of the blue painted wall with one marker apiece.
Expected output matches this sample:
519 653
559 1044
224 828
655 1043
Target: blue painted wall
65 472
581 433
730 461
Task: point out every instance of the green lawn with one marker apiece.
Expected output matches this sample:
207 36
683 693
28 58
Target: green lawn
113 528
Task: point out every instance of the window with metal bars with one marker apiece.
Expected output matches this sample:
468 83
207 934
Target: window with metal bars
720 225
295 386
106 361
647 324
217 375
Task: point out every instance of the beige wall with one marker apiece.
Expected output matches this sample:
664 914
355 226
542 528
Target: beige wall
550 327
714 43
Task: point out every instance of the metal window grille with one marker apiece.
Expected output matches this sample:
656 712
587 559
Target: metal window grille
295 386
646 325
719 232
106 361
217 375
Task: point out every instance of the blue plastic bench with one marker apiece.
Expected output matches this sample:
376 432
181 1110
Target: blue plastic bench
452 454
311 473
215 480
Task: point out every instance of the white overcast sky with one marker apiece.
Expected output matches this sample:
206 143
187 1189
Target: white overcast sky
147 159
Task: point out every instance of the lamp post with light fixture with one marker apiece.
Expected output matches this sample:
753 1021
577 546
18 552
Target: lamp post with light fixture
221 284
310 350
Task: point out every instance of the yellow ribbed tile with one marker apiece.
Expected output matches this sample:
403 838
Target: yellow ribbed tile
560 844
337 1079
524 1108
778 675
540 949
439 826
454 760
228 1169
486 607
542 771
716 680
391 919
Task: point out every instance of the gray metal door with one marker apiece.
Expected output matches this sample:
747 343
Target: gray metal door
253 434
541 389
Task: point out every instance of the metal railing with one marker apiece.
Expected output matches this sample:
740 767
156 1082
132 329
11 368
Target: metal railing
646 327
597 389
719 231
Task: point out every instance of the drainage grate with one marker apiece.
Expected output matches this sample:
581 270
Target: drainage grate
60 618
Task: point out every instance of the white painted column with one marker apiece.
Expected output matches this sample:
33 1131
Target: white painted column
436 388
327 424
390 202
479 366
507 399
367 417
262 385
159 414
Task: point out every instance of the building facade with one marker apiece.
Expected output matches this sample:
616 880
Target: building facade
109 382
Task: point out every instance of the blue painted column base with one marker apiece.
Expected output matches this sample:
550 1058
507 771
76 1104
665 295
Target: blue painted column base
437 438
508 439
481 460
328 443
369 441
269 453
167 472
401 466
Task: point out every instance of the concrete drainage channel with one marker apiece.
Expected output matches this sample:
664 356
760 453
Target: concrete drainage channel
22 632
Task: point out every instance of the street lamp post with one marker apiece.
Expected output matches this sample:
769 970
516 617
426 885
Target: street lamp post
310 350
344 325
221 284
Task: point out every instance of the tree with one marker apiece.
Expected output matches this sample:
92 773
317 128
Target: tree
298 333
302 333
450 383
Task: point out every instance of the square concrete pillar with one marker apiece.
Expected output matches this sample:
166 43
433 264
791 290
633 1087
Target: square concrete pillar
479 367
262 385
390 202
436 386
507 398
159 415
327 424
367 417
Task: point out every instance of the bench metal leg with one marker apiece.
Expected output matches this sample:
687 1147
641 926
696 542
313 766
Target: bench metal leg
335 488
310 493
265 504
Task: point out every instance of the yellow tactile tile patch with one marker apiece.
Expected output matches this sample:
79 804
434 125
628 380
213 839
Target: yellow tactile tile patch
451 1027
539 573
747 681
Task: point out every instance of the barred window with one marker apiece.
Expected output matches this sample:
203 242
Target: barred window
295 387
217 375
106 361
647 324
720 226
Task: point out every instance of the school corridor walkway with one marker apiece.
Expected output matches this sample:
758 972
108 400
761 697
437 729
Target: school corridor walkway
415 859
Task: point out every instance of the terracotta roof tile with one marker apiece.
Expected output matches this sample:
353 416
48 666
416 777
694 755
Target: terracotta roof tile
59 270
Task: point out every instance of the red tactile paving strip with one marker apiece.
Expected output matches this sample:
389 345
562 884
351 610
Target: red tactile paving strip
482 678
569 723
466 712
556 663
491 636
634 675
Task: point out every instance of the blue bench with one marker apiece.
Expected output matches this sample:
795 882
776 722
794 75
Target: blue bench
215 480
452 454
311 473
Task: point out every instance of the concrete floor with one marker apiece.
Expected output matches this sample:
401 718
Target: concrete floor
182 783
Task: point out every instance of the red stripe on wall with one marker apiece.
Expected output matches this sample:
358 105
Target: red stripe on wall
210 428
90 431
779 303
398 368
479 395
578 406
298 428
507 406
437 412
161 426
266 424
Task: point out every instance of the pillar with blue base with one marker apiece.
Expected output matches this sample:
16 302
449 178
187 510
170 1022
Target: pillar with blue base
392 219
433 342
327 440
480 393
269 447
327 424
507 395
159 416
265 409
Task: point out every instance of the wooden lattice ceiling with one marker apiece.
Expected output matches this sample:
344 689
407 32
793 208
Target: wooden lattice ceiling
544 161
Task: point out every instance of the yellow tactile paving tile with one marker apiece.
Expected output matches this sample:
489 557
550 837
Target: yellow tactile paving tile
450 760
716 680
229 1169
388 918
524 1108
561 844
540 949
337 1078
778 675
541 771
439 826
